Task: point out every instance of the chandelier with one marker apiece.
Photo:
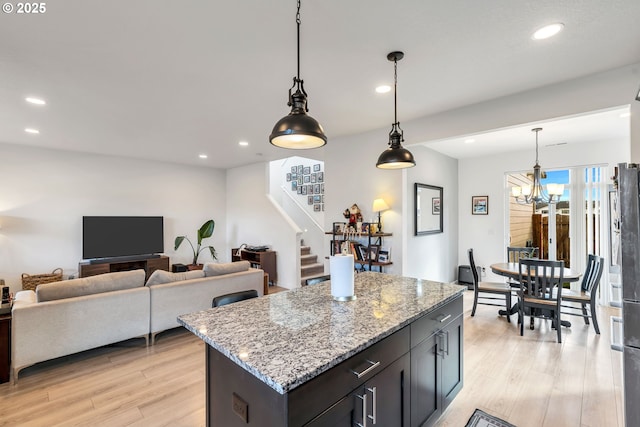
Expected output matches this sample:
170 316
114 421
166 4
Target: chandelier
528 194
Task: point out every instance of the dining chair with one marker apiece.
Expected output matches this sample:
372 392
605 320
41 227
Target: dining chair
515 254
234 297
540 291
497 290
316 280
588 293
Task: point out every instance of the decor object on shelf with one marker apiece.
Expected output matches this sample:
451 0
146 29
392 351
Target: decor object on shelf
354 216
480 205
204 232
528 194
379 205
428 207
396 156
298 130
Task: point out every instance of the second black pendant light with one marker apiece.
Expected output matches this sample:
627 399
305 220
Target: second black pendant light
396 156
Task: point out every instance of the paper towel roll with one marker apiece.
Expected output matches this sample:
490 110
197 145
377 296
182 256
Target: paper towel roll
342 277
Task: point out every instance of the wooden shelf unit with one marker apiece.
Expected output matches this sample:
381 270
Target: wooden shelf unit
149 265
264 260
376 238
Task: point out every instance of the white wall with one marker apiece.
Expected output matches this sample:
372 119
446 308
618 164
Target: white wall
255 219
44 194
433 256
486 176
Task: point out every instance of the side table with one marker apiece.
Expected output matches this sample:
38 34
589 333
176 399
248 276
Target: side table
5 344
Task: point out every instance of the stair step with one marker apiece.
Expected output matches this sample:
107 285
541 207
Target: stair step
312 269
305 250
308 259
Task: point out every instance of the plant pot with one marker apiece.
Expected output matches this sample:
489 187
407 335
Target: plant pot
192 267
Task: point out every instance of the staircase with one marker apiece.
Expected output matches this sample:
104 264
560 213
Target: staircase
309 265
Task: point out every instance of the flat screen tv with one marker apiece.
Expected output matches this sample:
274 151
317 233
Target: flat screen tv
118 236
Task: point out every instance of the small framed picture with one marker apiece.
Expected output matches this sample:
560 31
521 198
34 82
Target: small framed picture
338 227
300 169
300 189
288 177
304 189
362 251
316 207
307 179
383 254
313 177
299 179
480 205
365 227
309 200
316 198
316 188
294 185
306 170
435 205
320 176
294 176
316 167
373 251
294 169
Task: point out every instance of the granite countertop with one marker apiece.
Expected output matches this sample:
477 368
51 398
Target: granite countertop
288 338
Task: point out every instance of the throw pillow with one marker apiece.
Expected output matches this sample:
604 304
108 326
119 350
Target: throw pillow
160 277
213 269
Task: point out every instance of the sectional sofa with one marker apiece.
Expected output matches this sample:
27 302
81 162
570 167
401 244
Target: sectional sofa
70 316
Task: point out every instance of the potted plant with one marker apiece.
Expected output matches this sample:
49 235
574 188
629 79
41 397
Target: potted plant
204 232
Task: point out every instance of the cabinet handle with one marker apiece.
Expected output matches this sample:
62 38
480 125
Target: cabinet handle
373 415
364 410
442 319
447 338
440 344
366 371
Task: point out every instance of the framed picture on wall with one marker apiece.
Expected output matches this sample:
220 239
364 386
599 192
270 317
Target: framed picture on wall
306 170
316 208
288 177
294 169
320 176
316 167
310 200
480 205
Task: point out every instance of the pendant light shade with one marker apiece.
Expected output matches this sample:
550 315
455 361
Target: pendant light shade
396 156
298 130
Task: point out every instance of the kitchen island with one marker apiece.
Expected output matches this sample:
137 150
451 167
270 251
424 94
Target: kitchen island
392 357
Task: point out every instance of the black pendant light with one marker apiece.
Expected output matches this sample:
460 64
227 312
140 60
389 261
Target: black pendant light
298 130
396 156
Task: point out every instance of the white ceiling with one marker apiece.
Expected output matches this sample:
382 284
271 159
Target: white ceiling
170 80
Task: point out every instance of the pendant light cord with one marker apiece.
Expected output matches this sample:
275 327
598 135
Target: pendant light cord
395 91
298 22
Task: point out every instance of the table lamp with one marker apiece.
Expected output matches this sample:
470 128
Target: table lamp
379 205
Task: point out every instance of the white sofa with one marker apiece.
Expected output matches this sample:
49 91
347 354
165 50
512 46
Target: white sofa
170 300
70 316
67 317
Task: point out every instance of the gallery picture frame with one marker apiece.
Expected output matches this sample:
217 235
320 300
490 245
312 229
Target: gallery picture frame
480 205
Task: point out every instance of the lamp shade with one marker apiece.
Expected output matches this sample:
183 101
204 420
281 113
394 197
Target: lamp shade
379 205
395 157
298 131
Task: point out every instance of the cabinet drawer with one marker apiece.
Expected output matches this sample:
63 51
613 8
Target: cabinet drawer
430 323
313 397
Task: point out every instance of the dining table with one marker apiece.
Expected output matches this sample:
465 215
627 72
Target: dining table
511 270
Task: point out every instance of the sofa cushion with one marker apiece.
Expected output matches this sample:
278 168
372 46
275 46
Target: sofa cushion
100 283
159 277
214 269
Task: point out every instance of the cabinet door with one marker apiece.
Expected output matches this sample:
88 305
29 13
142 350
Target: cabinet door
388 395
425 390
452 369
342 414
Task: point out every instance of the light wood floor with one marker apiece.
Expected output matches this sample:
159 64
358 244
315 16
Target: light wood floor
528 381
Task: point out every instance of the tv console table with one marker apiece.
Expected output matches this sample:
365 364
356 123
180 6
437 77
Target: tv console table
149 265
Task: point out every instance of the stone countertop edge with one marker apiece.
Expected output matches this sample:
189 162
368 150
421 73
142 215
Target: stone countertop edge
316 301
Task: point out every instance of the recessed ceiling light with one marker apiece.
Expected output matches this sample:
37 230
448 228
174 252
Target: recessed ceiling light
383 89
243 143
203 156
36 101
469 141
31 130
548 31
625 115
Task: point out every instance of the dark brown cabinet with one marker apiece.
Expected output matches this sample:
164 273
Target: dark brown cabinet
264 260
149 265
383 400
436 365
